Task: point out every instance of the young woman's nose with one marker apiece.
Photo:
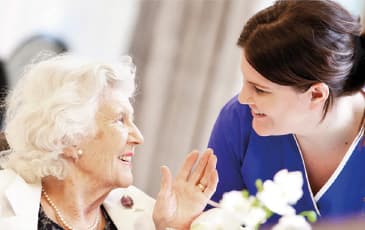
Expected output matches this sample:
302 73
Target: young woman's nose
245 96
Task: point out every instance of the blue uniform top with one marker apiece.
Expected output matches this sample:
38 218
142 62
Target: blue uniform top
243 157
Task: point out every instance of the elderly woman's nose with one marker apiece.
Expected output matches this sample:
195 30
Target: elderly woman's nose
135 135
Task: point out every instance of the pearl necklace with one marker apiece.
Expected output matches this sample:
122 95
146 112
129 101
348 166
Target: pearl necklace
60 217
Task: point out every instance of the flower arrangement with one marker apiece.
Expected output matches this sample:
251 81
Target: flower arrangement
239 208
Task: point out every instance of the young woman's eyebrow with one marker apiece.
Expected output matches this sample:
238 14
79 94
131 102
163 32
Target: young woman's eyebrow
259 85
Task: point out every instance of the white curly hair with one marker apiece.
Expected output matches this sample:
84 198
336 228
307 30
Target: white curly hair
53 106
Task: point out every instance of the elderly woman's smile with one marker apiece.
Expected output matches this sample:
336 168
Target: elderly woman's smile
126 157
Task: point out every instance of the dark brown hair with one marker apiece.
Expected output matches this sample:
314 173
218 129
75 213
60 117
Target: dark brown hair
300 43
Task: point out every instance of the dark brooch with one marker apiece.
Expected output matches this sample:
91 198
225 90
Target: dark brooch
127 201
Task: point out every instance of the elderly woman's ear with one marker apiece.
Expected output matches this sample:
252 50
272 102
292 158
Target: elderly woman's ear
73 152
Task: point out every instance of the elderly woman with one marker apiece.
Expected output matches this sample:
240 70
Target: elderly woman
70 129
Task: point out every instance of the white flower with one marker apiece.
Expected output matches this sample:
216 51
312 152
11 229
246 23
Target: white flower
243 209
284 191
255 216
215 219
292 222
291 184
237 208
235 202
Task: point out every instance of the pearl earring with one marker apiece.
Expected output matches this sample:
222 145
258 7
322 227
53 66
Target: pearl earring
79 152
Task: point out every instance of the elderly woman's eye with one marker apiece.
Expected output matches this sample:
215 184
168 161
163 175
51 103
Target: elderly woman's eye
121 120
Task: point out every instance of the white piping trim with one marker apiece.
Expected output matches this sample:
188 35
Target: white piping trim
340 167
306 177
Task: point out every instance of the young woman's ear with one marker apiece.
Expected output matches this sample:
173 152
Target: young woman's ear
318 93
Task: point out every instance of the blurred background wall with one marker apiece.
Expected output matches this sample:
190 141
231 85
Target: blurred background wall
185 52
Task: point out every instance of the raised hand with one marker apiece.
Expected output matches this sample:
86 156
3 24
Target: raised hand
180 201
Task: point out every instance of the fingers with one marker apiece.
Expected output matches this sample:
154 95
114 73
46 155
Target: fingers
204 177
212 184
210 168
166 181
200 169
189 162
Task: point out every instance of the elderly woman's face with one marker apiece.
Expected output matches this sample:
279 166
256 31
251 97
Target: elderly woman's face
108 156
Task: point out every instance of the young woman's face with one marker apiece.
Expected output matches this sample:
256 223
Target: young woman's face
276 109
108 156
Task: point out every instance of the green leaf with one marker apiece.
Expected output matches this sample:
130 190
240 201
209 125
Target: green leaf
259 185
268 212
245 193
310 215
256 202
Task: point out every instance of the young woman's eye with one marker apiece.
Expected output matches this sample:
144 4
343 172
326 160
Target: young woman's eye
259 91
